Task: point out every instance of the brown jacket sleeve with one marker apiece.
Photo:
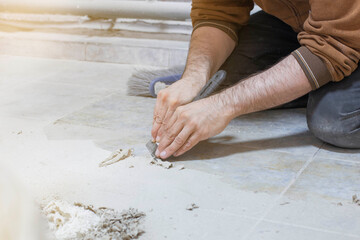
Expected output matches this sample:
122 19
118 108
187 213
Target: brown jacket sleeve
330 41
226 15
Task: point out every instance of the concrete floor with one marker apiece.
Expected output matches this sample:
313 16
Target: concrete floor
264 177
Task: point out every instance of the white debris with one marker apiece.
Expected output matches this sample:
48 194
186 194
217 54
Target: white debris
159 162
77 221
181 167
116 156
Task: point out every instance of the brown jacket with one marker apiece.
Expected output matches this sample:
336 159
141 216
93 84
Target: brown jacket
329 30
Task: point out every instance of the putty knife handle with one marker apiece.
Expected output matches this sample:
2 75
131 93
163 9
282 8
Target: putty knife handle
211 85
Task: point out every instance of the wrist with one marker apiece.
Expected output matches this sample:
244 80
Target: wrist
198 75
223 106
195 83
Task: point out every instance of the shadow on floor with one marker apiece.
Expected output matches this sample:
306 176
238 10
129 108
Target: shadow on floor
223 146
218 147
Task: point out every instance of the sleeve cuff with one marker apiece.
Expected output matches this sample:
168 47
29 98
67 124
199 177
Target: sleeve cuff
228 28
313 67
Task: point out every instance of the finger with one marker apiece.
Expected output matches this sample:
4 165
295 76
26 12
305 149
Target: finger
166 124
172 103
189 144
159 113
178 142
171 133
156 110
168 127
155 128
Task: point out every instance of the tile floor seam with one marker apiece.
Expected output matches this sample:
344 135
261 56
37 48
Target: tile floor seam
306 164
310 228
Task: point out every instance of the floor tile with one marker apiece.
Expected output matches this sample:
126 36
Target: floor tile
288 140
107 75
332 152
17 71
46 100
317 213
322 198
276 130
278 118
90 74
202 225
126 55
85 111
114 121
329 179
272 231
248 168
115 112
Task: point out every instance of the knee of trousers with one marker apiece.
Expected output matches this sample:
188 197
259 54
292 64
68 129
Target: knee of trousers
341 130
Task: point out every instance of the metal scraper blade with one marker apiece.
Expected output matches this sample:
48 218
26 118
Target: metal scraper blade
152 146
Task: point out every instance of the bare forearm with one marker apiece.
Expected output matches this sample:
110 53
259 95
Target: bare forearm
207 117
280 84
209 48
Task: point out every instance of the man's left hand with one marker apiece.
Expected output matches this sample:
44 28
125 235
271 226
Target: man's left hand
191 124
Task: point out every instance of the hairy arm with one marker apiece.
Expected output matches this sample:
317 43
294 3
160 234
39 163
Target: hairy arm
205 118
280 84
209 48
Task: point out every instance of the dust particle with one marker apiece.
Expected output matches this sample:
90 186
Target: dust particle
356 200
192 207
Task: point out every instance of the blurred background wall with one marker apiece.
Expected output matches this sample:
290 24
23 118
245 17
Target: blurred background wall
152 32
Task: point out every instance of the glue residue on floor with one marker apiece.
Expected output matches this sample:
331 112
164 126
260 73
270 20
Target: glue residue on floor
78 221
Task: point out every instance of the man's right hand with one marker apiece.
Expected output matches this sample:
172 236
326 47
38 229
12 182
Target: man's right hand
179 93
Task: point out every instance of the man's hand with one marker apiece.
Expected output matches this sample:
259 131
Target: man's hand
179 93
209 48
205 118
190 124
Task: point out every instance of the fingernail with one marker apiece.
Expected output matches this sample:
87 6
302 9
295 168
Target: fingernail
157 139
157 152
152 139
163 154
175 154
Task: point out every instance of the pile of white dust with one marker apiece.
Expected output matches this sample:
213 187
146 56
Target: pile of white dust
77 221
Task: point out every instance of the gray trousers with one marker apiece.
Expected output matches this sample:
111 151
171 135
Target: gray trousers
333 111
